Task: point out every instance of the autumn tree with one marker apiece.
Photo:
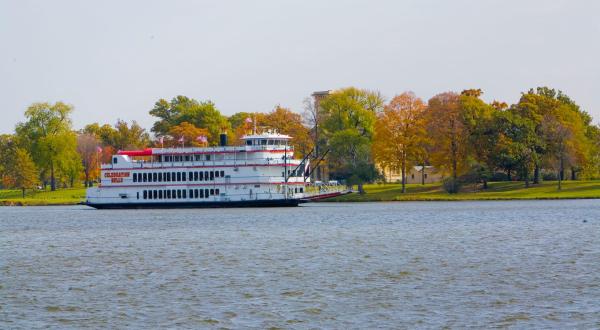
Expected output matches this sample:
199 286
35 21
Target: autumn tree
190 134
21 170
400 133
87 147
288 122
445 125
348 123
47 135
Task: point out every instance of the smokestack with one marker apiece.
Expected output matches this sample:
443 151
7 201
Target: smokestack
223 140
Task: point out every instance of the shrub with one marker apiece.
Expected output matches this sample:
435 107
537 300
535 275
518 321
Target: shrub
451 185
499 176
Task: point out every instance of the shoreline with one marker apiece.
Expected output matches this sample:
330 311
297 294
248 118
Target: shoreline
497 191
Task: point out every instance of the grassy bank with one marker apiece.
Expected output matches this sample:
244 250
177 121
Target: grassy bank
495 191
375 193
59 197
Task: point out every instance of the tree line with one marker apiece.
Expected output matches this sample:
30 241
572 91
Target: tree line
360 134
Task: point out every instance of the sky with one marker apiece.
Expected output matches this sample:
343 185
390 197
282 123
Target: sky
113 59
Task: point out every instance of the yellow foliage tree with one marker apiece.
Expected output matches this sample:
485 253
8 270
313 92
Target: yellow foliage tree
400 133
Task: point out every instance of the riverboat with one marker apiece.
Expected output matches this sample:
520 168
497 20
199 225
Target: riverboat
260 173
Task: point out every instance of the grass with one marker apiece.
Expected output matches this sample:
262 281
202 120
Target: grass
58 197
374 193
495 191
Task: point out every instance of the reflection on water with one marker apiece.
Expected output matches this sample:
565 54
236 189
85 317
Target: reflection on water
388 265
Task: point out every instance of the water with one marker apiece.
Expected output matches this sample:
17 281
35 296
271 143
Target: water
387 265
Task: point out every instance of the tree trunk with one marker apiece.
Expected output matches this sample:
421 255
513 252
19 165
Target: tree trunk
423 174
485 185
573 173
403 174
23 191
508 175
52 178
361 189
561 172
526 177
536 174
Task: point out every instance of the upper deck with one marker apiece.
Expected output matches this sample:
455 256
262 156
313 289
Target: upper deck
267 149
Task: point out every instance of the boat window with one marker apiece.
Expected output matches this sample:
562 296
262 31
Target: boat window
212 192
191 193
138 195
154 177
145 194
201 193
183 176
195 176
155 194
248 142
217 191
191 176
205 193
301 190
134 177
222 174
115 160
178 176
216 174
200 176
195 193
160 194
187 158
184 193
206 175
212 175
263 142
145 177
207 157
178 193
271 142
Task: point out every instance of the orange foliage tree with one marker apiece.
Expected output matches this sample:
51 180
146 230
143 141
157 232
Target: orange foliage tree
400 134
444 124
189 132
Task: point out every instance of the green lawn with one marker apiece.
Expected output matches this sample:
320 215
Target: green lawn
58 197
495 191
374 193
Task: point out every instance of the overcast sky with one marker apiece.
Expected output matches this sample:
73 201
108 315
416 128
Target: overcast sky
114 59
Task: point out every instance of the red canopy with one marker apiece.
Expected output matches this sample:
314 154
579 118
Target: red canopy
145 152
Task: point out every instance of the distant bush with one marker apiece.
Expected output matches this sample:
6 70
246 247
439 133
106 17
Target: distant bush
549 176
499 176
451 185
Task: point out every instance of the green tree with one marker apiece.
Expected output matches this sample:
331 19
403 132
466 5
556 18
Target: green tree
183 109
47 136
478 119
348 122
22 170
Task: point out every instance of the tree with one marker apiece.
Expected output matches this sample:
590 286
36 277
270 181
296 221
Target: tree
444 123
22 171
400 133
482 137
87 147
190 134
8 148
348 122
47 135
183 109
290 123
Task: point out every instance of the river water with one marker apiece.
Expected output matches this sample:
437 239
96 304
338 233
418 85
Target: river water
387 265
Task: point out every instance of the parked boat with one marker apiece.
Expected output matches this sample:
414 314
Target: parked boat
261 172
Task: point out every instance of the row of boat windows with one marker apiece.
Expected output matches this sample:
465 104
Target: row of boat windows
178 193
178 176
185 158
